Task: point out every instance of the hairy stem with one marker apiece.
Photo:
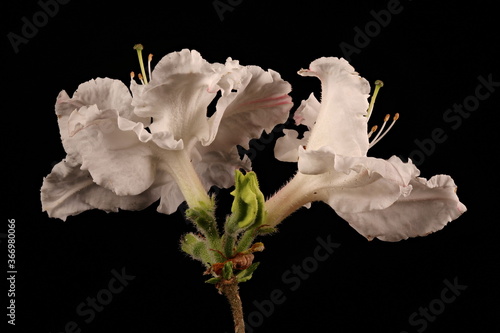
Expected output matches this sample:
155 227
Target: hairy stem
230 289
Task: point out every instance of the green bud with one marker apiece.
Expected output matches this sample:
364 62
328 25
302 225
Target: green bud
248 205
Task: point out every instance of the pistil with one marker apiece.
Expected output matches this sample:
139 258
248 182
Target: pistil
139 48
378 84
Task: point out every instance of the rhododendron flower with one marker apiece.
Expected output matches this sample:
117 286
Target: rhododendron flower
127 150
383 199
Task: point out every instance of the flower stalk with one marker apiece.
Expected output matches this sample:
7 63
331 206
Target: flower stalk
230 289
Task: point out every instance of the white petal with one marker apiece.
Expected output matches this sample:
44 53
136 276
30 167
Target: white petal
171 197
287 147
355 184
429 207
177 97
341 123
116 159
308 111
252 101
319 161
68 190
259 103
104 94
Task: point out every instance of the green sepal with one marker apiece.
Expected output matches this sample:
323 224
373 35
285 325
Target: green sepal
266 230
213 280
246 274
227 271
197 248
204 221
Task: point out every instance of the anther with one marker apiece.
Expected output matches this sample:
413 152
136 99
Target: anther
373 130
381 132
141 78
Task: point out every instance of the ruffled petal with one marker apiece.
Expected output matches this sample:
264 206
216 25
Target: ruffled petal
104 94
428 208
343 108
286 148
252 101
313 162
355 184
307 112
116 159
171 197
259 103
68 191
182 86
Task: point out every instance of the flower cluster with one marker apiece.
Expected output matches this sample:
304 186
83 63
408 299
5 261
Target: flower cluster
128 147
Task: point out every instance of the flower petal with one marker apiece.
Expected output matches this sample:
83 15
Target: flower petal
260 102
183 85
356 184
286 148
429 207
68 190
171 197
104 94
307 112
116 159
252 101
343 108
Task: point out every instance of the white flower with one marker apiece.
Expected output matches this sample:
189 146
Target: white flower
126 151
379 198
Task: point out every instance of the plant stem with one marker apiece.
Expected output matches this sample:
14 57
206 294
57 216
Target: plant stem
230 289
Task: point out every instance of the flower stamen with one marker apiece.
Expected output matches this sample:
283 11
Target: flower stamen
150 58
373 130
381 132
141 78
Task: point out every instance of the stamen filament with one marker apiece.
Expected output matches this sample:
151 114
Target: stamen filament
139 48
379 136
378 84
150 58
381 128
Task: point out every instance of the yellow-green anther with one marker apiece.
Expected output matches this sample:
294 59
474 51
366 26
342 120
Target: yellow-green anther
139 48
378 84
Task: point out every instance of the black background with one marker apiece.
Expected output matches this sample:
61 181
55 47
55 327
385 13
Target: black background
430 56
